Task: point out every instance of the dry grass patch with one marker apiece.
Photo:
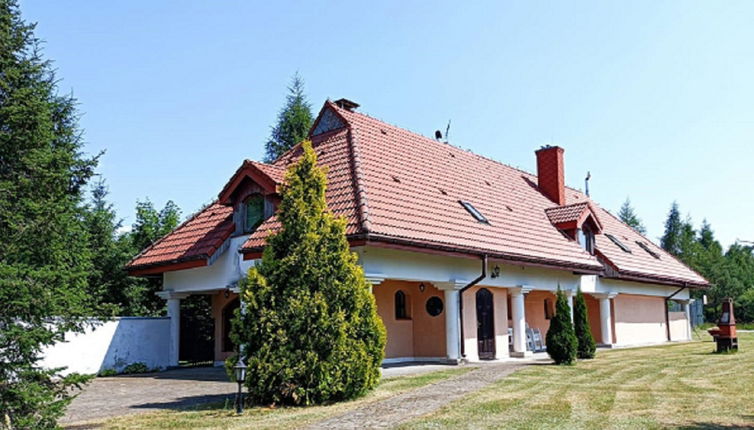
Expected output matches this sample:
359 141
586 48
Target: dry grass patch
220 416
681 385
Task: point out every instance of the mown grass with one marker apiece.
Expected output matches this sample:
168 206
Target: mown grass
222 416
674 386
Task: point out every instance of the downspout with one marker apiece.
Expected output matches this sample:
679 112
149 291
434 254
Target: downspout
667 312
460 298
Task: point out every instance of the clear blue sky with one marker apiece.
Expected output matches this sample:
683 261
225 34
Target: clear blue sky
656 99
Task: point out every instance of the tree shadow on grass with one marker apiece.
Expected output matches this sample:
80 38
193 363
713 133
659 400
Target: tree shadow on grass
196 403
716 426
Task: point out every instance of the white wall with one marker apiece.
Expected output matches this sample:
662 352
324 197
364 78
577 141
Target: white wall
223 272
113 345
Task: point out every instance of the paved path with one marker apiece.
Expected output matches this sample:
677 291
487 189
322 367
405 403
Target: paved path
173 389
395 410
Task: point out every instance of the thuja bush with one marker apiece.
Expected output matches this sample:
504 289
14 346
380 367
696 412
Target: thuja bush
308 327
561 337
586 345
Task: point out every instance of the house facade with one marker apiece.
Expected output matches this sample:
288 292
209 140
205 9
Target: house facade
464 254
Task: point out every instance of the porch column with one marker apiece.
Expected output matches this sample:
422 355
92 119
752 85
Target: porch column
606 319
174 313
452 326
687 312
518 315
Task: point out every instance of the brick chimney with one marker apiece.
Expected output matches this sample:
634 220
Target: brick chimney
551 173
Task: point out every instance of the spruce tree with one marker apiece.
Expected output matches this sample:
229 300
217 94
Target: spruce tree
44 254
671 239
310 332
627 214
586 345
561 338
150 225
293 123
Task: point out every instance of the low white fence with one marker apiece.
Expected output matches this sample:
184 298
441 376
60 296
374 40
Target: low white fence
113 344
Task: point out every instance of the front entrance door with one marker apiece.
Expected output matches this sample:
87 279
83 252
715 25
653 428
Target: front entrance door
485 324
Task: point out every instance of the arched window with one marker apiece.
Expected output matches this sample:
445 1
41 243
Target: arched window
401 306
254 212
228 314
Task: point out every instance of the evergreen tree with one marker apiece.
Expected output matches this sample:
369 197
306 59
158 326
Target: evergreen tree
149 226
310 331
628 216
293 123
671 239
586 345
44 257
562 344
108 281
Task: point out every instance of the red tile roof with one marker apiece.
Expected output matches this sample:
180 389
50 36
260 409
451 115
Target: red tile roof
196 239
407 189
396 186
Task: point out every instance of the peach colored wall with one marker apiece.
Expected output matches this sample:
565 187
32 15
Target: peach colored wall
420 336
678 326
535 310
593 314
639 319
500 312
218 303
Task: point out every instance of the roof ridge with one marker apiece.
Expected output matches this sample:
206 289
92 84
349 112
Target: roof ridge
450 145
359 186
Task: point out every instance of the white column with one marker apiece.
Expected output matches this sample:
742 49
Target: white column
569 295
606 319
452 326
518 315
687 311
174 312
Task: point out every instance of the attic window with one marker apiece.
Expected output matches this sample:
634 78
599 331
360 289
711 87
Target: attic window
474 212
618 243
254 213
649 251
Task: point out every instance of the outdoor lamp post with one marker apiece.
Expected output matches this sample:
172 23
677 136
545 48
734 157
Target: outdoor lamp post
240 373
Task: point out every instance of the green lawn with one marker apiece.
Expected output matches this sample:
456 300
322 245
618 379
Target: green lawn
682 385
224 417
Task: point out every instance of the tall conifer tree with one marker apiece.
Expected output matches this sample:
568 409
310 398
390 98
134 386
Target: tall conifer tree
561 339
587 347
293 123
310 332
671 238
628 215
44 257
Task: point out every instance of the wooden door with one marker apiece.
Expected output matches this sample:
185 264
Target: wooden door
485 324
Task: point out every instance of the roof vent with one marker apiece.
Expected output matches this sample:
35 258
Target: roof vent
346 104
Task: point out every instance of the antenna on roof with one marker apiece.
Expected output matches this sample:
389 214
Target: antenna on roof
586 182
447 133
438 135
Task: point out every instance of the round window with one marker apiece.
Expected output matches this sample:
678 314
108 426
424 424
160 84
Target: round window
434 306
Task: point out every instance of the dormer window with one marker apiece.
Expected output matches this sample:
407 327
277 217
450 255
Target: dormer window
586 239
254 213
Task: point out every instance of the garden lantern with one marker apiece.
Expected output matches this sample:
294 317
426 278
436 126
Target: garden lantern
240 373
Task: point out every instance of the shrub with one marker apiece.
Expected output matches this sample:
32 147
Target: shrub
309 331
586 345
108 372
137 367
561 338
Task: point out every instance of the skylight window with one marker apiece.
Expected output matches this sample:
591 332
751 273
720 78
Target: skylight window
649 251
474 212
618 243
